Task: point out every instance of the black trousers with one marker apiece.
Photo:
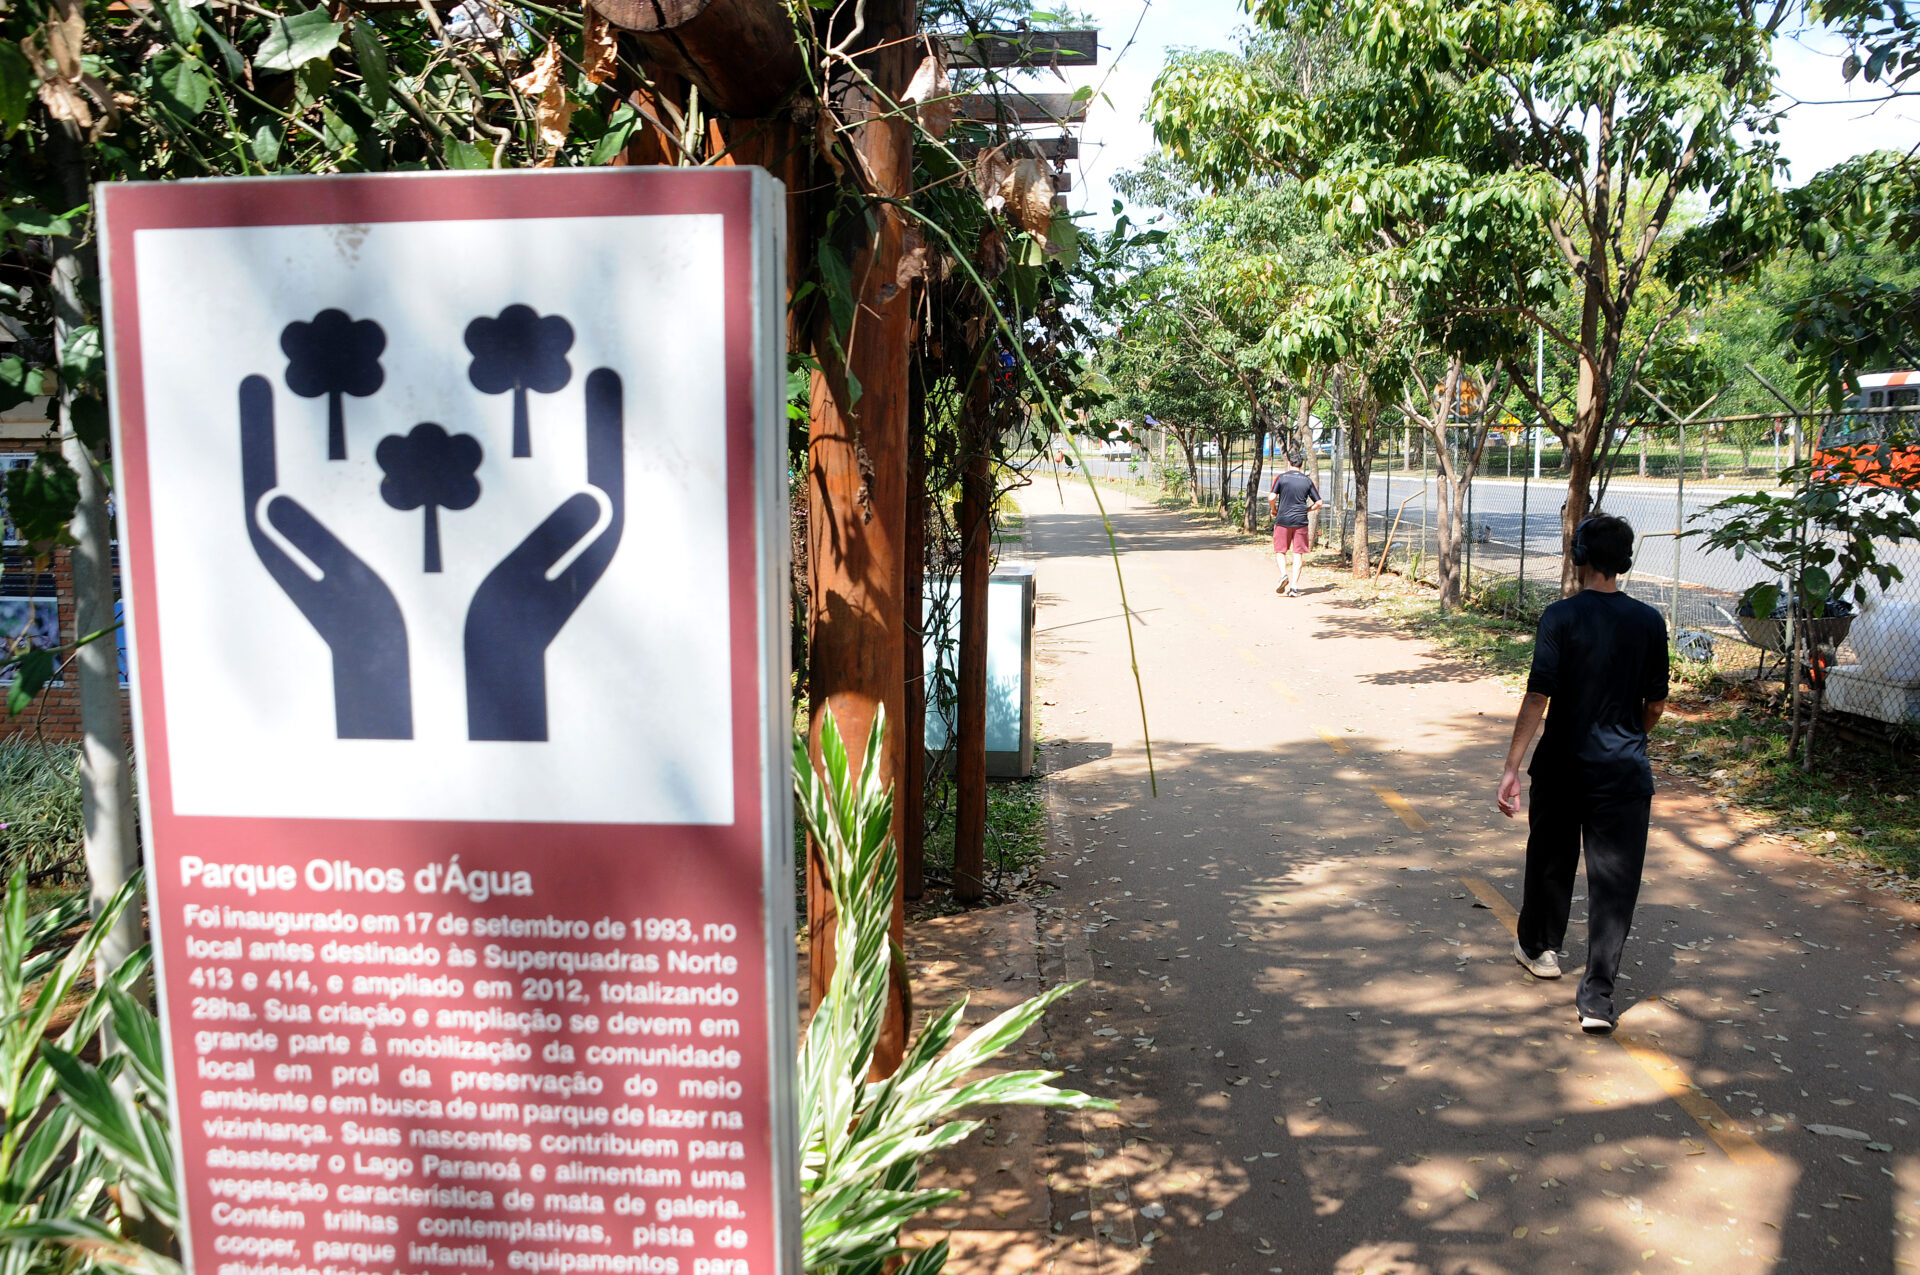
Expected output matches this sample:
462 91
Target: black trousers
1614 831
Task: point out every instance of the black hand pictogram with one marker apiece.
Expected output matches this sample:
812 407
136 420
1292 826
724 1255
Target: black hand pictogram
349 606
334 355
520 351
518 610
429 469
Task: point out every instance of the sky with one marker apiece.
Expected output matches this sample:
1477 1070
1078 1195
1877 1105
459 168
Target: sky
1136 35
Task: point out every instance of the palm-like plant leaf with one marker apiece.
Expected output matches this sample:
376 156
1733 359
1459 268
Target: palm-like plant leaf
861 1140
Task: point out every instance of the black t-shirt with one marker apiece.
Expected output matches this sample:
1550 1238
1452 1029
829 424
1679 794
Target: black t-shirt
1601 658
1295 491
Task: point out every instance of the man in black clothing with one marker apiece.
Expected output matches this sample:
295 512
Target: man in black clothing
1292 497
1600 658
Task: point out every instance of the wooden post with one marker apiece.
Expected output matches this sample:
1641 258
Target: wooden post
913 841
856 474
976 546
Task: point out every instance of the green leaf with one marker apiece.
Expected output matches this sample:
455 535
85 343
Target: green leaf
17 87
31 220
614 140
371 57
339 136
836 279
88 417
297 39
461 154
180 20
20 382
41 498
82 359
180 86
265 144
30 672
1815 585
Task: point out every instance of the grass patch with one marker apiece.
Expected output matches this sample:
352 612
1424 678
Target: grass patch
1858 801
40 824
1016 832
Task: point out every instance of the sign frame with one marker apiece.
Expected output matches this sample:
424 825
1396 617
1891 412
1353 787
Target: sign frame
751 205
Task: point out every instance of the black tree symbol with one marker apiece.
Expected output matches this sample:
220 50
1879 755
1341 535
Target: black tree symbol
520 351
433 469
334 355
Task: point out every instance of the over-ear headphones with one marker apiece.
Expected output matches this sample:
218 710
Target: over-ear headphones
1580 542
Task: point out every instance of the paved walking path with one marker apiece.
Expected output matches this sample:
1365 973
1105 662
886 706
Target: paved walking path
1300 993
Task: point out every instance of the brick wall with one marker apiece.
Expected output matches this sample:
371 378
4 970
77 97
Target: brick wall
55 712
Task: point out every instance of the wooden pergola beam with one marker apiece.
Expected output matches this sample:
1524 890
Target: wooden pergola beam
1023 48
741 54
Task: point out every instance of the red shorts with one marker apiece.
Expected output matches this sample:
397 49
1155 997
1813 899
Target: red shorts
1289 539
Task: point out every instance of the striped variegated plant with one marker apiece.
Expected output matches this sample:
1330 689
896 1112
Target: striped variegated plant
862 1140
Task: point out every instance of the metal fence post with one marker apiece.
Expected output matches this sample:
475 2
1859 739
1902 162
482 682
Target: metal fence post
1520 591
1679 525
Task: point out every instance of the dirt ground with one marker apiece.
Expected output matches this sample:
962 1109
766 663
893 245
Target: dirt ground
1299 991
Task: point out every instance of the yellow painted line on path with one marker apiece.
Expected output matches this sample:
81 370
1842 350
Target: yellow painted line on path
1666 1073
1497 904
1663 1070
1219 628
1334 742
1285 693
1249 656
1402 807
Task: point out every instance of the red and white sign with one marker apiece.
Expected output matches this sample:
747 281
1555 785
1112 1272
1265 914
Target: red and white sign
454 520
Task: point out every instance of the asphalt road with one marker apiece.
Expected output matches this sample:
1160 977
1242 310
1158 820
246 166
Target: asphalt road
1299 988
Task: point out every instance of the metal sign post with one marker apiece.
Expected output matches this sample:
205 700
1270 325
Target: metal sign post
454 513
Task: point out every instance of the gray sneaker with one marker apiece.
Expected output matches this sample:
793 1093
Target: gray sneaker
1593 1026
1545 965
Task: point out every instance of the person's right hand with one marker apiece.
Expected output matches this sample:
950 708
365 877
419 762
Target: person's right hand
524 602
1510 793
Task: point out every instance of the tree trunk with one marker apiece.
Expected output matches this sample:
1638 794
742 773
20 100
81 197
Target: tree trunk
856 465
1220 446
1363 444
1181 437
106 777
1590 417
1303 432
1252 519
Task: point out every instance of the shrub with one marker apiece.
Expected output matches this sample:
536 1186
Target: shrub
862 1140
40 824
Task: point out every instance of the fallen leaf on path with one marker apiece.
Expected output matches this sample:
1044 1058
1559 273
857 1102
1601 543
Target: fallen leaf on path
1839 1131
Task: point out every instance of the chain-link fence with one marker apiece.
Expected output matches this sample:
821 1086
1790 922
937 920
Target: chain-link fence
1669 487
1668 482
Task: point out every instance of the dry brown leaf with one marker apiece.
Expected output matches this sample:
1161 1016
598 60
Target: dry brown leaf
64 102
826 136
598 46
992 256
929 79
937 116
934 102
66 32
990 171
546 84
915 260
1028 194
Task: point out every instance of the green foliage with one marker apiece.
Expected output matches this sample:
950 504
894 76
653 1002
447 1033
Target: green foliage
40 827
1824 536
86 1164
862 1140
1476 159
